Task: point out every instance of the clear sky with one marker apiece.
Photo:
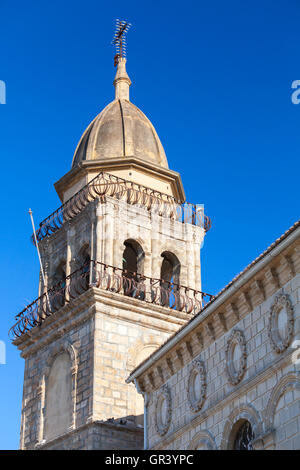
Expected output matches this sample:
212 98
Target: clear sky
215 80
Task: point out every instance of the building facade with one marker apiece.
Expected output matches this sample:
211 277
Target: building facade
230 377
121 273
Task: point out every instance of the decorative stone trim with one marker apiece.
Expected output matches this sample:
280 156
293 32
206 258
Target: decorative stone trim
194 402
287 382
237 416
232 309
203 438
278 343
64 346
236 338
162 428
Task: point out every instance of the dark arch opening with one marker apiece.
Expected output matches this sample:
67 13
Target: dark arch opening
133 268
170 279
59 278
243 436
58 291
133 258
83 263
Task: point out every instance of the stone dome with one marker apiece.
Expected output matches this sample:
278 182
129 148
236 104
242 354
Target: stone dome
120 130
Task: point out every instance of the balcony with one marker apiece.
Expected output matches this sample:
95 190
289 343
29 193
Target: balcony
95 274
105 184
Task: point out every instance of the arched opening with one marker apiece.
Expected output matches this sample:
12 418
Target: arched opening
57 294
170 279
83 262
133 267
59 278
242 435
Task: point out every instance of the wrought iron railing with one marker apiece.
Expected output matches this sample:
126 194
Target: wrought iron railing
105 184
155 291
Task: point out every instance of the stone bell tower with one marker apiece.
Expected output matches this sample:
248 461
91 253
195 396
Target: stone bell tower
121 260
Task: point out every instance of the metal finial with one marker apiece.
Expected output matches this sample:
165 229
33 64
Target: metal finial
119 40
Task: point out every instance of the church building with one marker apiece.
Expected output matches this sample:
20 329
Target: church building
120 274
122 348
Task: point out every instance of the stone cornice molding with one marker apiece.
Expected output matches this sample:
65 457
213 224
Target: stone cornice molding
91 302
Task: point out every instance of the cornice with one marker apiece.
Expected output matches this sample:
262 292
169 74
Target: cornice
87 305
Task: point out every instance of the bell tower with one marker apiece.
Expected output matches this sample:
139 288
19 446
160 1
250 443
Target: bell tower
121 260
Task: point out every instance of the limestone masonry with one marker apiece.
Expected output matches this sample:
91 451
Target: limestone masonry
122 348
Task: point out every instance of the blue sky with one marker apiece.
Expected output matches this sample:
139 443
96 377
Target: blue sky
213 77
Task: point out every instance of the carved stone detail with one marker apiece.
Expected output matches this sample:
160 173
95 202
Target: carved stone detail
258 289
179 355
245 297
222 320
272 277
235 375
189 348
289 264
233 310
194 402
160 426
210 330
160 373
278 343
170 365
151 379
200 338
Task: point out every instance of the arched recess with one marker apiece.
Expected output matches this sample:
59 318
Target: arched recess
133 269
84 256
57 392
237 418
170 278
280 412
58 290
59 275
170 268
203 440
133 258
83 264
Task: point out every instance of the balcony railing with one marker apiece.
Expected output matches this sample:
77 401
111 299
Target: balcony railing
155 291
105 184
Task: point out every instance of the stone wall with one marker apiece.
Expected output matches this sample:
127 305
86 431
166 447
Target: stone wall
99 436
209 386
103 334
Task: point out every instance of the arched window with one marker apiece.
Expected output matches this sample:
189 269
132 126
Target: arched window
133 267
170 278
243 436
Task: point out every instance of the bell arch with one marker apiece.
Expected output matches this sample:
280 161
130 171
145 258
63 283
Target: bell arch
133 257
170 268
